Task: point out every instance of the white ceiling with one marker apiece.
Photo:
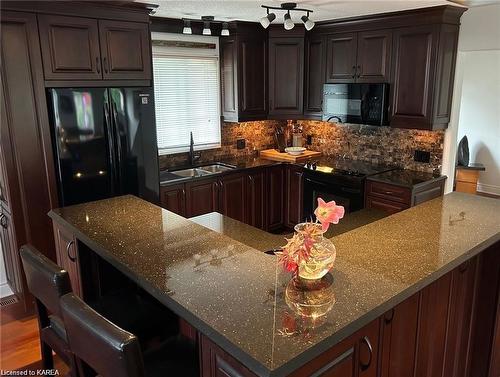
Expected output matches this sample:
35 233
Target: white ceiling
250 10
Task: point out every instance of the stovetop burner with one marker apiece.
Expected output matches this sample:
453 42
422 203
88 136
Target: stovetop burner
345 167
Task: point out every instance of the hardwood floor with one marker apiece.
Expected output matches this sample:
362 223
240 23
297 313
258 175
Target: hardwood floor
20 346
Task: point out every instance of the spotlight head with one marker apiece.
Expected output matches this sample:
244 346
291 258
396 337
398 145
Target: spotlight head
307 22
225 30
187 27
266 20
288 24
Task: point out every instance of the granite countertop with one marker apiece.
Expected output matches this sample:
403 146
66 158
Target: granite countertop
406 178
234 294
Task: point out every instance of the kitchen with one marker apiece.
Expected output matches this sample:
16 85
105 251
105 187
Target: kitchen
194 114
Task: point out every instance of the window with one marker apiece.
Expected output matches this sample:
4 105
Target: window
186 88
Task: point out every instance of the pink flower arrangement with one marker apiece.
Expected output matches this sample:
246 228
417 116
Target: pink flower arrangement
298 248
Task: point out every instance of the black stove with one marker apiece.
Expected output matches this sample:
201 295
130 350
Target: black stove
340 180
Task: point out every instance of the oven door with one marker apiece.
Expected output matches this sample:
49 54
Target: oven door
350 198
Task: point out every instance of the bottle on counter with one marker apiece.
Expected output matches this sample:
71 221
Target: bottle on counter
297 138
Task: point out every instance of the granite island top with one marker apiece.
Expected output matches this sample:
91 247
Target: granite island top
234 294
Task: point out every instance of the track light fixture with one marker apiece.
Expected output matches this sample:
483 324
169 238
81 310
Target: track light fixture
288 23
207 22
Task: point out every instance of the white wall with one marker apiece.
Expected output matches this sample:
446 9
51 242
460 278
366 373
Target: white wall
476 102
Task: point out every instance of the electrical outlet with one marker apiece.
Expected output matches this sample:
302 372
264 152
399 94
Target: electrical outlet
422 156
309 140
240 144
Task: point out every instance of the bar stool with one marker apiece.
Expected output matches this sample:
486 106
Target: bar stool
101 347
47 282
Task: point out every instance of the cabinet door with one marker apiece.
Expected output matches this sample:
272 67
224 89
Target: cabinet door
275 197
432 328
356 356
399 335
202 197
125 50
374 56
229 78
256 199
70 47
341 58
294 196
233 196
413 64
460 319
252 83
286 71
314 76
387 206
10 252
67 257
173 198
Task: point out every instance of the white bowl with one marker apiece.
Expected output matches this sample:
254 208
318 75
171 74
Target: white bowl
295 151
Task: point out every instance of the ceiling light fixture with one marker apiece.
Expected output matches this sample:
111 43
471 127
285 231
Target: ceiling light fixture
266 20
225 30
187 27
288 23
207 22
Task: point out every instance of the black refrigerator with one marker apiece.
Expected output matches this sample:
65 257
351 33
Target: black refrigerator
104 143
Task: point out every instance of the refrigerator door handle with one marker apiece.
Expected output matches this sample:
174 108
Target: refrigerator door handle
109 135
118 142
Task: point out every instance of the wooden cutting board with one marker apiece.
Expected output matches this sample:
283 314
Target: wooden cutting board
273 154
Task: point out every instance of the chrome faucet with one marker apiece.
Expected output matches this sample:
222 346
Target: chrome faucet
193 157
334 117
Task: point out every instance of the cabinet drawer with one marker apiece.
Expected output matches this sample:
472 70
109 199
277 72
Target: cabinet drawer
385 205
390 192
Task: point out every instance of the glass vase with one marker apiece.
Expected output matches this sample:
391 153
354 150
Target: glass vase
322 254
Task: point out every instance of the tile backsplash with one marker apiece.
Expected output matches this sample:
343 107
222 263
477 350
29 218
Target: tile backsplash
394 146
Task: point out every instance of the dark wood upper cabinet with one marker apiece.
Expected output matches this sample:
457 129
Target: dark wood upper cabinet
373 62
286 76
70 47
423 70
315 60
341 58
125 49
244 75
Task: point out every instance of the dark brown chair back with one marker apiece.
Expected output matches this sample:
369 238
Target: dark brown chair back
46 280
101 345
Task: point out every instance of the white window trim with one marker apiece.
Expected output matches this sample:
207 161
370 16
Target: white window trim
191 52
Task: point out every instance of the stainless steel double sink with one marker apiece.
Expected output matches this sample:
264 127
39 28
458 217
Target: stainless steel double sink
202 170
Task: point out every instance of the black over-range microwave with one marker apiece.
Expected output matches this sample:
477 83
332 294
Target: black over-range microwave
356 103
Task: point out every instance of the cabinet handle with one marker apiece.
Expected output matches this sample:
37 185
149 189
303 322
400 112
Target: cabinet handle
388 320
183 193
370 349
359 71
98 64
105 65
463 267
68 247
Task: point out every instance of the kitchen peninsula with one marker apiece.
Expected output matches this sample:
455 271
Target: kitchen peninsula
405 287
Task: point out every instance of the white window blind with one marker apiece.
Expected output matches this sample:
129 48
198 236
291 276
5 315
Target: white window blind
186 86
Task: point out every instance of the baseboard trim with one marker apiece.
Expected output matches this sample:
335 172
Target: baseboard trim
488 189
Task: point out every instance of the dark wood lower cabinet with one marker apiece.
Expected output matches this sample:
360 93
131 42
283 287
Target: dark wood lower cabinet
294 188
173 198
68 257
202 197
275 199
256 199
232 196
